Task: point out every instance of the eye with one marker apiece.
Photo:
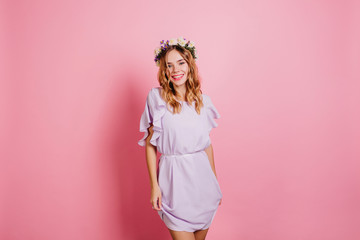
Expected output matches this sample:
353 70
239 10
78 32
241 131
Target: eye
181 63
169 66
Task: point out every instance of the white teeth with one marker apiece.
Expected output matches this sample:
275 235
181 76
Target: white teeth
177 77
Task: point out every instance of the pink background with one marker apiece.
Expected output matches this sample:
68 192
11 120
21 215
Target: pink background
284 76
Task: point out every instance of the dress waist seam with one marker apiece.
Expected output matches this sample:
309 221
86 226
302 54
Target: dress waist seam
185 154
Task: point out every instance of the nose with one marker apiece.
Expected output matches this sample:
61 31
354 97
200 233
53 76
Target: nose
175 68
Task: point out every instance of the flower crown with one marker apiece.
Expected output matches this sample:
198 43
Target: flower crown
189 45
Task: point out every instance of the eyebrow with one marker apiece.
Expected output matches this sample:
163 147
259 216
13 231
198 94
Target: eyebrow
176 61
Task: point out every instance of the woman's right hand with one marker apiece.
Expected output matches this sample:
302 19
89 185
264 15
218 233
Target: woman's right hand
156 198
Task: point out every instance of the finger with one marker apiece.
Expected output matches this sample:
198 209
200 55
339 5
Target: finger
159 202
156 208
155 205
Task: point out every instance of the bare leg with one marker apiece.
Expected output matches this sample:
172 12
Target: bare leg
201 234
181 235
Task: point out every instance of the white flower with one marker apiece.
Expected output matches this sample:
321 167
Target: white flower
172 41
181 41
157 51
191 44
195 54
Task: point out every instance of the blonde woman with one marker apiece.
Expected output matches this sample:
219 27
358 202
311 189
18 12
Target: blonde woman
177 121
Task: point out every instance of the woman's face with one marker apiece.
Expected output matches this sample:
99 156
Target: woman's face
177 68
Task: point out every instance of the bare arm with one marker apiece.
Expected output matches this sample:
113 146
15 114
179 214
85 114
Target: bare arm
210 152
151 152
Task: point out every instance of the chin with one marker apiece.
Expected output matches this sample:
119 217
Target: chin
179 83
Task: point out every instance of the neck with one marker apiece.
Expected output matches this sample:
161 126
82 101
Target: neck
181 90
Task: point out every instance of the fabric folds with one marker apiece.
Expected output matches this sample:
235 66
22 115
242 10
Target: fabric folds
189 189
212 113
155 109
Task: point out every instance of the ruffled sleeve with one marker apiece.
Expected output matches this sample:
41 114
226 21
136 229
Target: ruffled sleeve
212 113
155 109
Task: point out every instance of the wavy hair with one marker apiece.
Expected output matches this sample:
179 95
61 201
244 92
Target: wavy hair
193 85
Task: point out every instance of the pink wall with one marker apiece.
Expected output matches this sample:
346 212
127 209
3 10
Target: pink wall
284 76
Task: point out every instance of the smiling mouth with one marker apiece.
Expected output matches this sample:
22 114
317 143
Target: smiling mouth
177 77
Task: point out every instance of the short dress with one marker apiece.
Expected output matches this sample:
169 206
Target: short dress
190 191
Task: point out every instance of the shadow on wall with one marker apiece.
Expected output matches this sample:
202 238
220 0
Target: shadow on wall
133 217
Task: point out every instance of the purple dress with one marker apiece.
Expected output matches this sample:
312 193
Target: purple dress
189 188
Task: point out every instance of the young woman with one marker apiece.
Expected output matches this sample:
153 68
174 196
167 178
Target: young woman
177 121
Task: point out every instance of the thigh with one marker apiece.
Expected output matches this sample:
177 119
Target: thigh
181 235
201 234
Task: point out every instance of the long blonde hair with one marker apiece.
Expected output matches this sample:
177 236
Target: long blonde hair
193 85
